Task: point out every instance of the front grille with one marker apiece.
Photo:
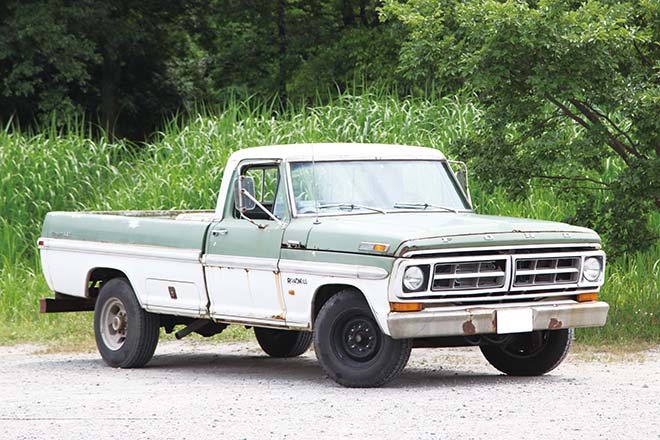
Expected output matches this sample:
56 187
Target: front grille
469 275
546 270
508 276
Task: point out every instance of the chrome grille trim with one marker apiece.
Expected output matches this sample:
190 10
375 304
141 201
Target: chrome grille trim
563 267
579 248
546 270
489 273
487 299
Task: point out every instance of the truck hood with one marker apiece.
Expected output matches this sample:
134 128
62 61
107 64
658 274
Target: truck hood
437 230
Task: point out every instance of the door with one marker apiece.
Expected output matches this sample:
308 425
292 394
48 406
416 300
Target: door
242 252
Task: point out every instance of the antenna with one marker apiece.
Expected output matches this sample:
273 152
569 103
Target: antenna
316 198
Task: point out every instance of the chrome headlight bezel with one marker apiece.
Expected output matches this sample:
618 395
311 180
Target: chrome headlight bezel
415 278
592 269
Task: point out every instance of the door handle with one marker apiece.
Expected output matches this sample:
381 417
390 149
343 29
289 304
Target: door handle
219 232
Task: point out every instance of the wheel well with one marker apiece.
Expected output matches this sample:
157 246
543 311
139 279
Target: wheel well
324 293
97 277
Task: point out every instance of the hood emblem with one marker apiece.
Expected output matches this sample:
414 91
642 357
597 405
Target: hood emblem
529 235
445 239
488 237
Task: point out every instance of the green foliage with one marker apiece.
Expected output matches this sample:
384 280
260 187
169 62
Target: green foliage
67 170
570 93
292 48
131 65
360 56
105 60
40 58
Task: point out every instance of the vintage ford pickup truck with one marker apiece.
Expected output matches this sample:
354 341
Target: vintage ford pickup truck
366 250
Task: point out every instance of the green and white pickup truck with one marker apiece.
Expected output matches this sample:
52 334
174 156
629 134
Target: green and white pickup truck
366 250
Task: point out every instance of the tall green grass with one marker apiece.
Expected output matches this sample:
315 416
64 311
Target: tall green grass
182 168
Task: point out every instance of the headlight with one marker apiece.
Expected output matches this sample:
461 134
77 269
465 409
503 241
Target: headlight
593 266
413 278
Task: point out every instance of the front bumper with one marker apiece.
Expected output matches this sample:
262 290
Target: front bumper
484 319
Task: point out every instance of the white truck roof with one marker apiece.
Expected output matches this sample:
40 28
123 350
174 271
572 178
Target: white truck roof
335 151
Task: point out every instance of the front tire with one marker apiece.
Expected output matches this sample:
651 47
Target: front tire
350 346
126 335
530 354
283 343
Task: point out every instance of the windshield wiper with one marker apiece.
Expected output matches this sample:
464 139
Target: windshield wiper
351 206
422 206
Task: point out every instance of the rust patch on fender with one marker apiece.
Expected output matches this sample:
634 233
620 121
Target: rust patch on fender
555 324
278 317
468 328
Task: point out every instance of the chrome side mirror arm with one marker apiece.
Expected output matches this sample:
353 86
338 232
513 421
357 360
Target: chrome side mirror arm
272 216
465 181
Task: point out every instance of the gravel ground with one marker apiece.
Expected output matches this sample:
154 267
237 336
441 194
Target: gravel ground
193 390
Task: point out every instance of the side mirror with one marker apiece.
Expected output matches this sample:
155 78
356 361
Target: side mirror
462 177
243 203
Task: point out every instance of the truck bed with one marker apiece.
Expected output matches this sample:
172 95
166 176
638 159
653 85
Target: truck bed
155 250
172 228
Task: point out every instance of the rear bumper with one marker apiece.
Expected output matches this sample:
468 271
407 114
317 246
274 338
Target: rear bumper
484 320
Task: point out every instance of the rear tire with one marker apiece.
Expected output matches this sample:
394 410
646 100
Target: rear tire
283 343
350 346
126 335
530 354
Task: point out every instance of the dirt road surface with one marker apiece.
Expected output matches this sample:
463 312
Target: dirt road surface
199 391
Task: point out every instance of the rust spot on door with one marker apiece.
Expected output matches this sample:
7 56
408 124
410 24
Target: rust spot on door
280 296
555 324
468 328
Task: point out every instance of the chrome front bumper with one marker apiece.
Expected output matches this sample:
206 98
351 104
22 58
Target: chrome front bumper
484 319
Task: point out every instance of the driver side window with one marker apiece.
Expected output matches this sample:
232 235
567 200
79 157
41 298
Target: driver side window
268 190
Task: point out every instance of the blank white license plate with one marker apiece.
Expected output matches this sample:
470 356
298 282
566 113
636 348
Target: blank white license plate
515 320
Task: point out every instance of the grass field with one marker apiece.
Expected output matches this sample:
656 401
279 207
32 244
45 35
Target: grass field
182 169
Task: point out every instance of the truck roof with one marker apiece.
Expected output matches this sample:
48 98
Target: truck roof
336 151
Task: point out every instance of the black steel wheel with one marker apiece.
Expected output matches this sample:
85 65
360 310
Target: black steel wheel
126 335
283 343
351 347
357 337
530 354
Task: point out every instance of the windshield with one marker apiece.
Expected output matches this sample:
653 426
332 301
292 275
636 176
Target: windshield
377 186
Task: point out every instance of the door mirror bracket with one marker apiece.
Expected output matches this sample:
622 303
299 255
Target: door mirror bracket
245 200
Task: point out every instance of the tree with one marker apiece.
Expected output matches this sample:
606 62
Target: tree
570 92
292 48
108 60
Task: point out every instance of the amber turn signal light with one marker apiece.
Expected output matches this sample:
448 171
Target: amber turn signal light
406 307
591 296
378 247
